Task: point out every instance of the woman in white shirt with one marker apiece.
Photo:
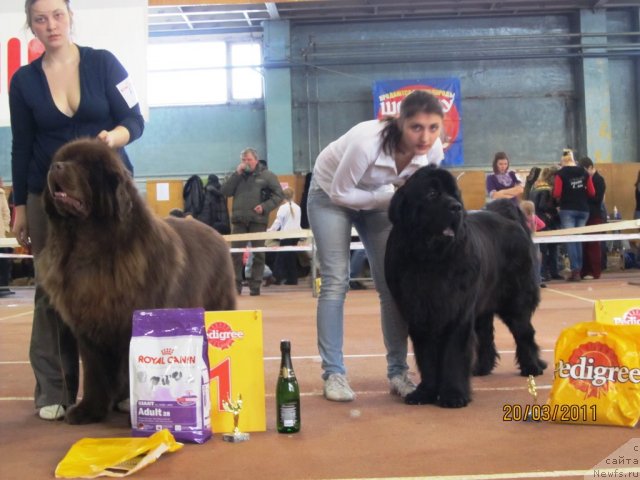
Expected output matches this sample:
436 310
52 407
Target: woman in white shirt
352 183
287 218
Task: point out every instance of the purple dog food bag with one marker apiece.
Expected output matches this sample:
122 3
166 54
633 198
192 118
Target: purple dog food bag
169 374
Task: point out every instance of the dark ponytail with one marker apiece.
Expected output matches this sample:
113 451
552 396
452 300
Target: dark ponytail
418 101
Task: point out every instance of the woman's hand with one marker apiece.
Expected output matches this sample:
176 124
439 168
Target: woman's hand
116 138
20 229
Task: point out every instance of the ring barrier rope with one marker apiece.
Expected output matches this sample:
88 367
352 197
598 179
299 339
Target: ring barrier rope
578 234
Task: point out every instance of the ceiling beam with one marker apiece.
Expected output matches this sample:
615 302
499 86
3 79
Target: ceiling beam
182 3
272 8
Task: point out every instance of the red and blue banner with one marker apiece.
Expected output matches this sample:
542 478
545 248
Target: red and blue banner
388 94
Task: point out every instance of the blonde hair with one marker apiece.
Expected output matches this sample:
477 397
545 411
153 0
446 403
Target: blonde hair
29 3
288 196
567 157
527 207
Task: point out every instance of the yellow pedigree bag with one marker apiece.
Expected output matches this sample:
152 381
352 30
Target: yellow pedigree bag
114 457
596 375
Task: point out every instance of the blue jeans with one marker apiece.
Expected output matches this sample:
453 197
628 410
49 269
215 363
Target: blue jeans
571 219
331 226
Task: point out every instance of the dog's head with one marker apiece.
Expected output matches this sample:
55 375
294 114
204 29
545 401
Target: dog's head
87 179
428 204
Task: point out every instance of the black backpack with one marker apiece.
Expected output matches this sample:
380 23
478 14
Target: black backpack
193 194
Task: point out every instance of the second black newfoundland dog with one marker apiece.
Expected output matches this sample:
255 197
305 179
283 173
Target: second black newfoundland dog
450 272
108 254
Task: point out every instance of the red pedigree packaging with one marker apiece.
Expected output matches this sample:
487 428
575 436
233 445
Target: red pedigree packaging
597 375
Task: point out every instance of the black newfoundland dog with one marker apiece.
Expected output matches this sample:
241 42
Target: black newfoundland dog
449 273
107 255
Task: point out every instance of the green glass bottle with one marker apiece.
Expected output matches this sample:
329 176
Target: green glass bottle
287 393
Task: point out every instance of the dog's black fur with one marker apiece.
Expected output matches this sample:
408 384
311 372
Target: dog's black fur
449 272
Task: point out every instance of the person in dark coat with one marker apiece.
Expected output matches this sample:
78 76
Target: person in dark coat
214 209
591 251
547 209
256 192
572 187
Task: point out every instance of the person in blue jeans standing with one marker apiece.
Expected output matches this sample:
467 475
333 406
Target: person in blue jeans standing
572 187
352 184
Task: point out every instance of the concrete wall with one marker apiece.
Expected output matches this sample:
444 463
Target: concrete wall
528 103
517 95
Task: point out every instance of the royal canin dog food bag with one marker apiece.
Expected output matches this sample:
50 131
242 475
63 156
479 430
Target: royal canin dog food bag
169 374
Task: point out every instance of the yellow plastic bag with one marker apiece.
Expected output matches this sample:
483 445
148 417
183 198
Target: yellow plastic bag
596 375
114 457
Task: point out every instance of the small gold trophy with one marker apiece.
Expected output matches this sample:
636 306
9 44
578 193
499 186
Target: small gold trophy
533 391
234 408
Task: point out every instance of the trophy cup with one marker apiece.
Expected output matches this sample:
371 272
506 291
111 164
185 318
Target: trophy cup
230 406
533 391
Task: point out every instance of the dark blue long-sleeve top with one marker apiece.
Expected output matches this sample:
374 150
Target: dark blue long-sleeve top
39 128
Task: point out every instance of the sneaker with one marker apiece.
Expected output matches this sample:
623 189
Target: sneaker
254 292
588 277
401 385
356 285
124 406
337 389
51 412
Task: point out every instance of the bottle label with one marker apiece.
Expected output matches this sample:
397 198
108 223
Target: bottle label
289 414
286 373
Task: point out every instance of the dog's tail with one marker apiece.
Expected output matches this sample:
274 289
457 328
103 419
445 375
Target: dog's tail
508 209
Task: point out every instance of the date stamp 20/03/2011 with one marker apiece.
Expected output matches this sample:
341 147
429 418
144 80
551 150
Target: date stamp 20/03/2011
513 412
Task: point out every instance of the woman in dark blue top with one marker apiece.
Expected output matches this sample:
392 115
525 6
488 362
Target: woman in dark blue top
67 93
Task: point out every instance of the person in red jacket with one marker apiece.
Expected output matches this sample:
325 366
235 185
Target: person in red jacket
572 188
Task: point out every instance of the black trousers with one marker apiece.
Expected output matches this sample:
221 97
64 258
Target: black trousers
286 265
5 269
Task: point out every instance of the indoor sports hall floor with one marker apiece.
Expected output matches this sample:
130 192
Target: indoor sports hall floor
376 436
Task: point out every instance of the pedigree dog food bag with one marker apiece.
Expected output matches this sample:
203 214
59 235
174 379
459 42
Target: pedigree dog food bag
623 311
169 374
596 375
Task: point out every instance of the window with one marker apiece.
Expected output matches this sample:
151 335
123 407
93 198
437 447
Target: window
246 83
203 73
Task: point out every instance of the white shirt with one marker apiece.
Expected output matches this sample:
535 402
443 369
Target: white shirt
355 172
287 217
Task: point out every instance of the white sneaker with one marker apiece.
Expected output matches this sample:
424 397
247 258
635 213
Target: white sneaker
124 406
337 389
401 385
51 412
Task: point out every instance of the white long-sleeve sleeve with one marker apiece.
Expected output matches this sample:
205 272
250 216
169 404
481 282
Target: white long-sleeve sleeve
355 172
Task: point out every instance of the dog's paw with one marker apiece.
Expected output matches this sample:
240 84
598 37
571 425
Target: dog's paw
453 401
535 369
82 414
482 370
419 397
